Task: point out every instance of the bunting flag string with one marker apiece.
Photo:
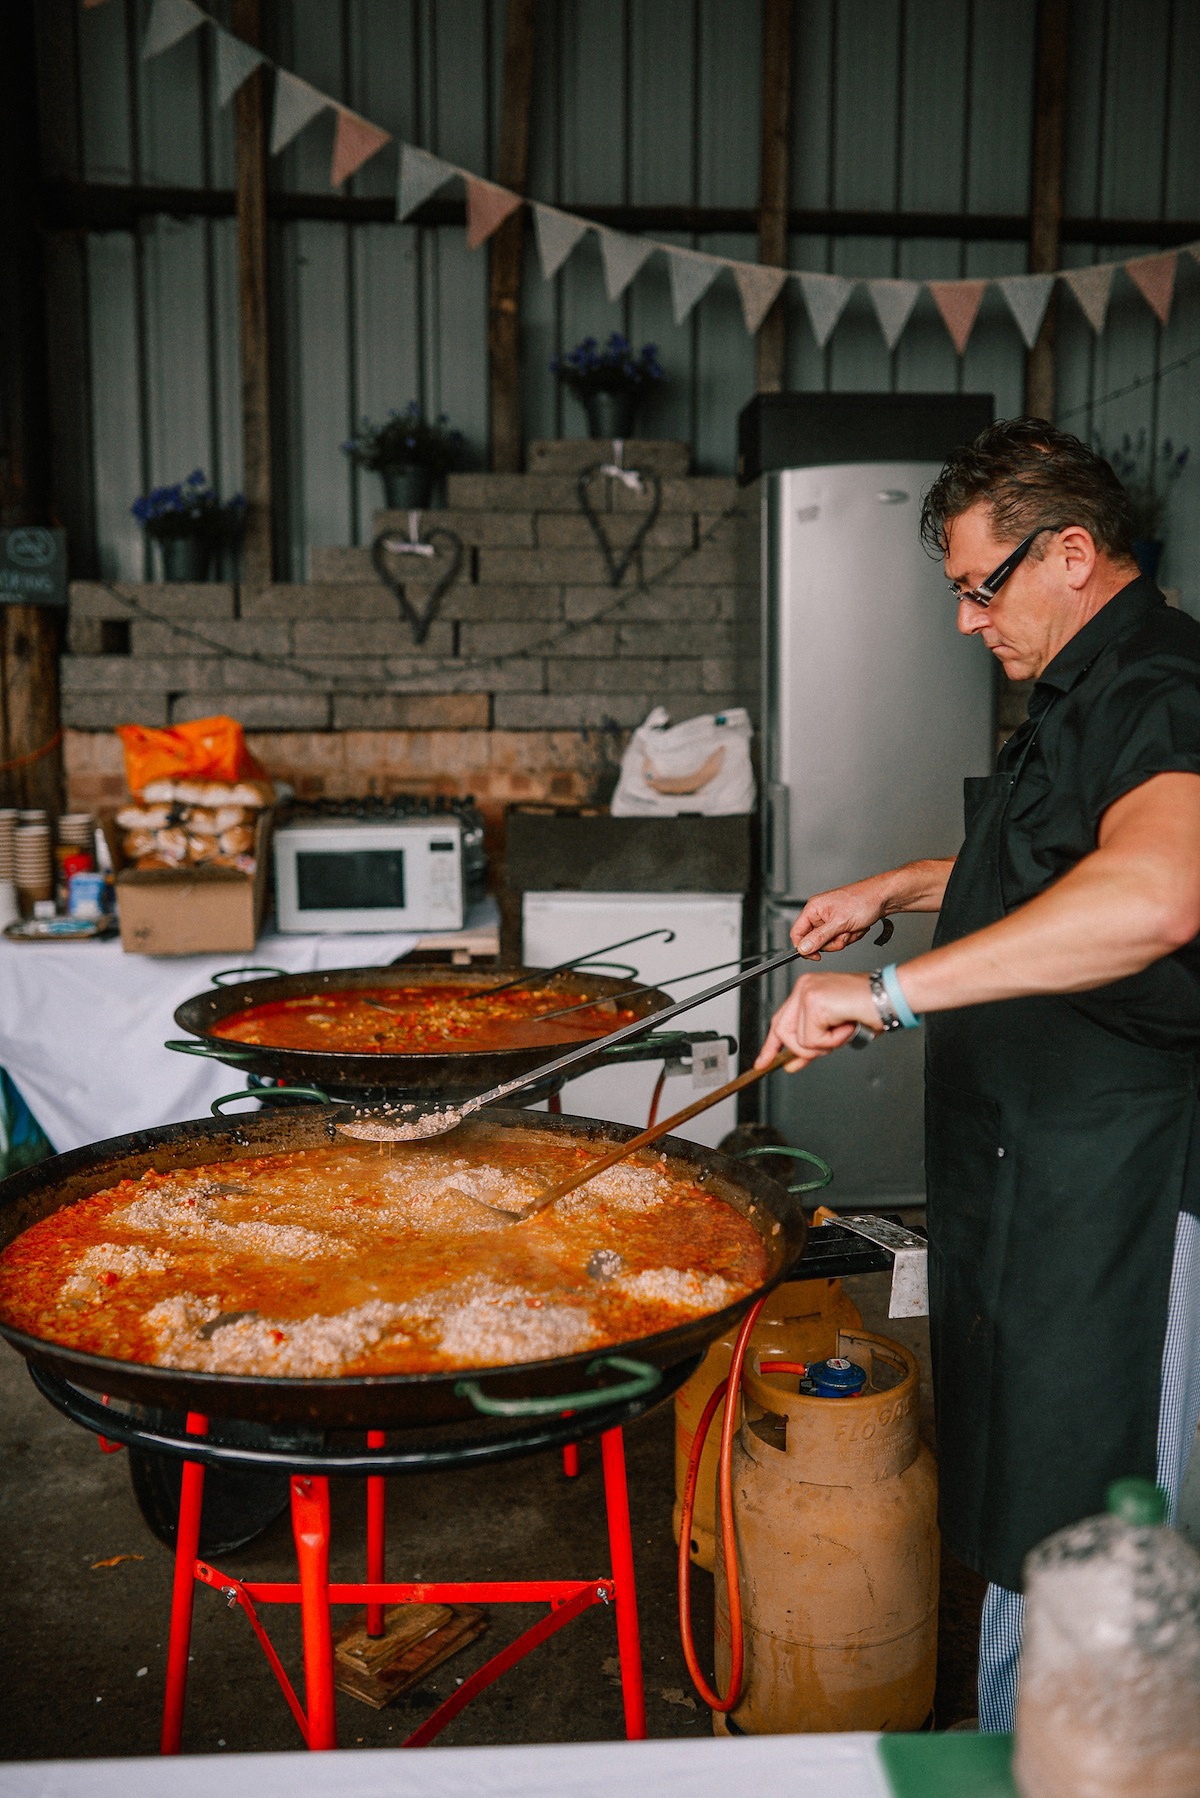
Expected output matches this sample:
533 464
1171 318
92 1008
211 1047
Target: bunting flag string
622 258
1028 297
421 176
170 22
355 141
893 302
826 297
487 208
1154 278
1092 287
691 273
236 62
958 302
296 105
759 286
557 235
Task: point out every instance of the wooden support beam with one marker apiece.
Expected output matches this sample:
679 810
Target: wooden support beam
112 206
30 761
1045 207
251 163
774 187
504 284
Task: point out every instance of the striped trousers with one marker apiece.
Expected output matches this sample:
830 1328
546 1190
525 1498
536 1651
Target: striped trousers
1178 1416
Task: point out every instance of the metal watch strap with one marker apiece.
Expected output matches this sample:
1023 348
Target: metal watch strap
883 1005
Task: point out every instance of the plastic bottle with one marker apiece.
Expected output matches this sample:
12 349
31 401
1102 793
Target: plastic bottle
1109 1701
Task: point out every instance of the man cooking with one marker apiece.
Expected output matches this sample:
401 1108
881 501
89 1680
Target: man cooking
1061 1004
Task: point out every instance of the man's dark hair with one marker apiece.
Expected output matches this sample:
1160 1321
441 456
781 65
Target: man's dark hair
1031 475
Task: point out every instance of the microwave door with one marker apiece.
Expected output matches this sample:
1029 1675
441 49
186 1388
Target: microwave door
350 880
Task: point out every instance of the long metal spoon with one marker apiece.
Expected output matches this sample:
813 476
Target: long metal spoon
561 967
413 1123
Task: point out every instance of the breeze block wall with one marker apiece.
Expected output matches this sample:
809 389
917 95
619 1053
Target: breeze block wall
529 678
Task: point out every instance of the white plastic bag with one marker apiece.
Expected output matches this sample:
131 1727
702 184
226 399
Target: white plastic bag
701 765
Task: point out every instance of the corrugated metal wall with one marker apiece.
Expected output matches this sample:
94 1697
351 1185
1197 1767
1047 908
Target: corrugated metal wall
913 104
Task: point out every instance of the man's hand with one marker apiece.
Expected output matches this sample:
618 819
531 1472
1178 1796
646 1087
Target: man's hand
838 918
842 916
818 1016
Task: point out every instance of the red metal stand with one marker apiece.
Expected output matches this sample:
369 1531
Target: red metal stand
315 1594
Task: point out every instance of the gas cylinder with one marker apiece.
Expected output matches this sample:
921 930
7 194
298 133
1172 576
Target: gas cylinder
799 1322
835 1509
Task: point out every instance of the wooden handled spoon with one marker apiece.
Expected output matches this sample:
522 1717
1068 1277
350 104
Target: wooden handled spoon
663 1128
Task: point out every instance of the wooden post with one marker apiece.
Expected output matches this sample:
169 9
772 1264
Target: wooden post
1045 210
251 152
504 287
30 759
773 192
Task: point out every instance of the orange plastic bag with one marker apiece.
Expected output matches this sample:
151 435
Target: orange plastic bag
207 749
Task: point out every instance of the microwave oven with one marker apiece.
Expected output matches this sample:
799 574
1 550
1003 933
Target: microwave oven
347 873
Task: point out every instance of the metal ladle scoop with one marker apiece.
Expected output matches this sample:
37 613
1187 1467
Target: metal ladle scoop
416 1123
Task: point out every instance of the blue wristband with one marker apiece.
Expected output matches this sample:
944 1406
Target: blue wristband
894 991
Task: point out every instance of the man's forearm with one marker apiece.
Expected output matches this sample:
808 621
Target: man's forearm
1098 924
917 886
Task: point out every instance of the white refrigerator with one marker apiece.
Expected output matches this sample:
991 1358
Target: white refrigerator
874 708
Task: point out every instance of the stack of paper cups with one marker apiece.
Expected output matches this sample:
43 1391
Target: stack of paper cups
9 909
76 830
32 864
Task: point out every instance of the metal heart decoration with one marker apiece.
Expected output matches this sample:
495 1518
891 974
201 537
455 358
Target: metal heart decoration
389 544
637 478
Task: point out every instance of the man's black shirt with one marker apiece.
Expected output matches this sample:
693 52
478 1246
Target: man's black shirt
1119 704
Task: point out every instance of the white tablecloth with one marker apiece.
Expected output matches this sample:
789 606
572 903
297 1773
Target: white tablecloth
82 1027
844 1766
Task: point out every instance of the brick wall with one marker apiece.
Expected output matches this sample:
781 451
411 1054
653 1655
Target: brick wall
529 678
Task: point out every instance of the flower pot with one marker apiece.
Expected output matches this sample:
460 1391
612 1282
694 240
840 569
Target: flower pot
611 415
185 558
1147 553
408 488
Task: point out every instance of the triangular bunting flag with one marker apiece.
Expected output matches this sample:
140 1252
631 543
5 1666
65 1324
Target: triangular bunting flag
759 285
691 277
296 105
420 177
1028 297
170 22
958 302
355 141
1154 278
893 302
825 296
487 208
236 62
1091 287
622 257
557 235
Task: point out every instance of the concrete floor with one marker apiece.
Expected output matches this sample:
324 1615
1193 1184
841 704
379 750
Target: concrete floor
82 1646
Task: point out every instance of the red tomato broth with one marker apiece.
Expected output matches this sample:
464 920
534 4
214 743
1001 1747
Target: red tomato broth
367 1260
422 1020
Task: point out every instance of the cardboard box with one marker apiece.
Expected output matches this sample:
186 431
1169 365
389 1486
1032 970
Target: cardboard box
192 911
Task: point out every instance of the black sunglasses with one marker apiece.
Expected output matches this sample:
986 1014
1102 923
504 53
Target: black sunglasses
985 593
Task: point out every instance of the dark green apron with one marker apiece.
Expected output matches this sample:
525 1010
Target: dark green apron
1055 1158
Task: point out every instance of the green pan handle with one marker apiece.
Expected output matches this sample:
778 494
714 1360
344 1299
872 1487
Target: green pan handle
188 1045
778 1148
643 1379
223 976
269 1092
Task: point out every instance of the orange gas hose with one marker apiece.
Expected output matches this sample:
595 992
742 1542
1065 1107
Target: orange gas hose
728 1539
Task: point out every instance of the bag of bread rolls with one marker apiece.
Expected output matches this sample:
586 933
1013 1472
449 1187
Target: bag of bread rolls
237 841
172 843
138 842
